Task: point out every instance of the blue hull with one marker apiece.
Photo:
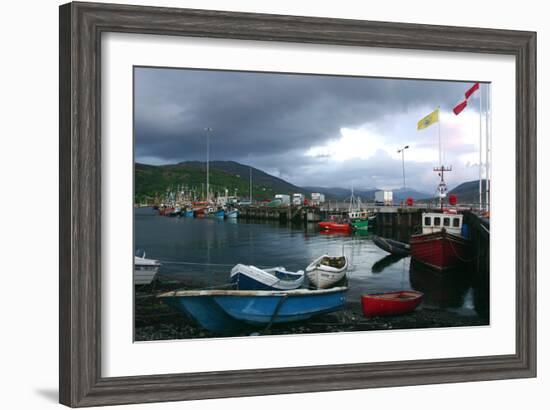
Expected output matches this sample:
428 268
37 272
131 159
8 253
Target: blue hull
262 311
206 313
189 214
228 311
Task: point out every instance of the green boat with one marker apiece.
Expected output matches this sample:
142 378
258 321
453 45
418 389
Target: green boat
360 224
359 218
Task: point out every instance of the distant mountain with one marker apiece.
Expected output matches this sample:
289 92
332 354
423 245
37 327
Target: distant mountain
152 181
403 193
468 192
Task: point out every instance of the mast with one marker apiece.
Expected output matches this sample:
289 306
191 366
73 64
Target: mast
480 154
487 145
250 168
441 169
442 186
208 131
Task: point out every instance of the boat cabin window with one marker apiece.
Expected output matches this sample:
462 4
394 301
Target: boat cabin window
437 221
456 222
446 221
427 221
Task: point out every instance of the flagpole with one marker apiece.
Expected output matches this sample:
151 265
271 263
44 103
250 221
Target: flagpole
439 135
480 153
487 148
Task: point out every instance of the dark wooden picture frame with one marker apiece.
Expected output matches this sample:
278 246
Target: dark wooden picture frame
81 27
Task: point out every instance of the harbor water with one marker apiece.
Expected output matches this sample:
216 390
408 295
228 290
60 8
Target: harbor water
198 253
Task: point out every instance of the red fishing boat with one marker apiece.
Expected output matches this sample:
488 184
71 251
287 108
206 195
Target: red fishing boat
335 226
441 245
390 303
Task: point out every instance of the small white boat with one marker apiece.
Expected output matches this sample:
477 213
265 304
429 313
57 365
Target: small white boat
145 270
327 270
234 213
248 277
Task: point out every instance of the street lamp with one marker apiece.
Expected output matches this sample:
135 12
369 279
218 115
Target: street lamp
402 152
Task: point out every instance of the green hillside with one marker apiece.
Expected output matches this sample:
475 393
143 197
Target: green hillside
152 181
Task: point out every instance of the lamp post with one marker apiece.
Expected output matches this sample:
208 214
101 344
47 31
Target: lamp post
402 152
208 131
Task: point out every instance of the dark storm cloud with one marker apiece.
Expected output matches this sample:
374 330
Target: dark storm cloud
269 120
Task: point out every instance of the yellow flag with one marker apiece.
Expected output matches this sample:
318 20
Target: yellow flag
429 119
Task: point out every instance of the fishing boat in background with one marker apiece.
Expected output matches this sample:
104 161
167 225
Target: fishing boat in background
325 271
165 210
222 311
358 217
233 213
391 246
390 303
248 277
145 270
175 212
214 212
335 225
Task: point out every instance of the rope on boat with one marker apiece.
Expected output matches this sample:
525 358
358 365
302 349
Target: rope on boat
458 256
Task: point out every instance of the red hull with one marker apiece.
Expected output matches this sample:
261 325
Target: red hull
440 250
334 226
391 303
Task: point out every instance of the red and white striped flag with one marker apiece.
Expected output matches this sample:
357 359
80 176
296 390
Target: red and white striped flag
461 105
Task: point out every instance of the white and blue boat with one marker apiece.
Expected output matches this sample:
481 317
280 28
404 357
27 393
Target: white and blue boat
224 311
234 213
248 277
218 213
188 213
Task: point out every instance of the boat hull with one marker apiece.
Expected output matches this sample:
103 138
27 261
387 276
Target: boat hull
281 308
223 311
360 224
440 250
334 226
144 275
391 303
232 214
393 247
205 312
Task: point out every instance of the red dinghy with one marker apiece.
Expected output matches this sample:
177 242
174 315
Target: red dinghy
335 226
390 303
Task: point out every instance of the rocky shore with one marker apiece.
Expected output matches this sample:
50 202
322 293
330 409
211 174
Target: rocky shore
156 321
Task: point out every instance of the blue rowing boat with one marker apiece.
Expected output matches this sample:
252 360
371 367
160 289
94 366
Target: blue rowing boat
224 311
189 213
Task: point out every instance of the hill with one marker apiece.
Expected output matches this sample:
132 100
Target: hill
468 192
151 181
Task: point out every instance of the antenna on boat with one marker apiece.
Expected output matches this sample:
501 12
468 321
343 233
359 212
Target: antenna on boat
442 186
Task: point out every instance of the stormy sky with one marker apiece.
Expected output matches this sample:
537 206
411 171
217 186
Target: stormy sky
310 130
